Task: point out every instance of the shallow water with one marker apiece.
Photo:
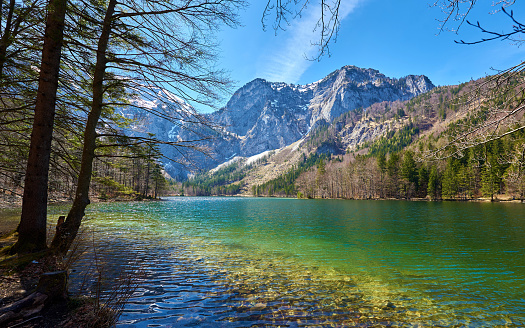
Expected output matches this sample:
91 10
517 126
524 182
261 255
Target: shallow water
248 262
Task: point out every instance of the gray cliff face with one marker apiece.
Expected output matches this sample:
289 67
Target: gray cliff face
351 87
264 115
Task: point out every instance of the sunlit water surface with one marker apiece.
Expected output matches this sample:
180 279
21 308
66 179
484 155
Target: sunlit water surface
262 262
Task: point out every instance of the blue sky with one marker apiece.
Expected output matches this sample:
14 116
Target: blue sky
397 38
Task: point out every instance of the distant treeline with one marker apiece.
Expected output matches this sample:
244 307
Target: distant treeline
128 174
220 182
403 163
479 173
285 185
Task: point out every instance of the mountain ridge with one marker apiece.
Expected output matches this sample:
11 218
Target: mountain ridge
263 115
362 135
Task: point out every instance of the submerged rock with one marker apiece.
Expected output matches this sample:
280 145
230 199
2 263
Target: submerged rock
388 306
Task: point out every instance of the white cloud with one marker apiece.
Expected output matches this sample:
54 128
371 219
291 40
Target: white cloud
287 62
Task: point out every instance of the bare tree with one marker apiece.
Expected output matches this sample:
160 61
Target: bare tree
327 27
456 12
496 104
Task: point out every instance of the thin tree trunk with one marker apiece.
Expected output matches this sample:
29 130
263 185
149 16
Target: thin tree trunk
67 232
146 189
6 36
156 186
32 228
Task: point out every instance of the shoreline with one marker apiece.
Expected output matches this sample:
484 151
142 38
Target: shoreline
475 200
10 206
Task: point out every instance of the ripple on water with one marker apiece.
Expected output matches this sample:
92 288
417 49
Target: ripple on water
199 281
184 286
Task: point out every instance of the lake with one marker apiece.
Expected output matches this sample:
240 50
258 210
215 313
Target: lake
251 262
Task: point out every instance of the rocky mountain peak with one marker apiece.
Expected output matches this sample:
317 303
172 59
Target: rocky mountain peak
353 75
263 115
418 84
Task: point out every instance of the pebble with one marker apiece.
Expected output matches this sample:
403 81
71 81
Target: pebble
259 306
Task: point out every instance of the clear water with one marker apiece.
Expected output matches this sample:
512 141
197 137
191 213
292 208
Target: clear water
250 262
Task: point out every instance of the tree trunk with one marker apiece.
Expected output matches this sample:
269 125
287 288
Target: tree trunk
32 228
146 189
67 232
156 186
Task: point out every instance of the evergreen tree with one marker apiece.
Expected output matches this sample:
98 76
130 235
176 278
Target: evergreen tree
381 163
409 173
422 178
33 223
393 175
488 181
492 172
433 183
450 182
174 55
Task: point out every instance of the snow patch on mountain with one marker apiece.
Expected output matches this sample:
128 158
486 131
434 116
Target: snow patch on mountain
253 159
262 116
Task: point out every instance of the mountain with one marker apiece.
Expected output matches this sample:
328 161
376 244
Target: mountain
347 150
263 115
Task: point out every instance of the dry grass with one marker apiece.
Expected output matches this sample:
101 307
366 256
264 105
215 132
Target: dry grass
279 163
98 308
19 277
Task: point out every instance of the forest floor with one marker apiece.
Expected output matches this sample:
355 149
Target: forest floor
19 276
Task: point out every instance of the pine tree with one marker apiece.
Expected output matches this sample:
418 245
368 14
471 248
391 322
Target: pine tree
449 183
381 163
492 170
409 173
33 223
174 55
393 175
433 183
422 178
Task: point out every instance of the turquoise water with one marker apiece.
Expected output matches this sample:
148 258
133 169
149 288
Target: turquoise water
242 262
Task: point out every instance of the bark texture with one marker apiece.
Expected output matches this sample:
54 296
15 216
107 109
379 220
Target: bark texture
67 231
32 228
